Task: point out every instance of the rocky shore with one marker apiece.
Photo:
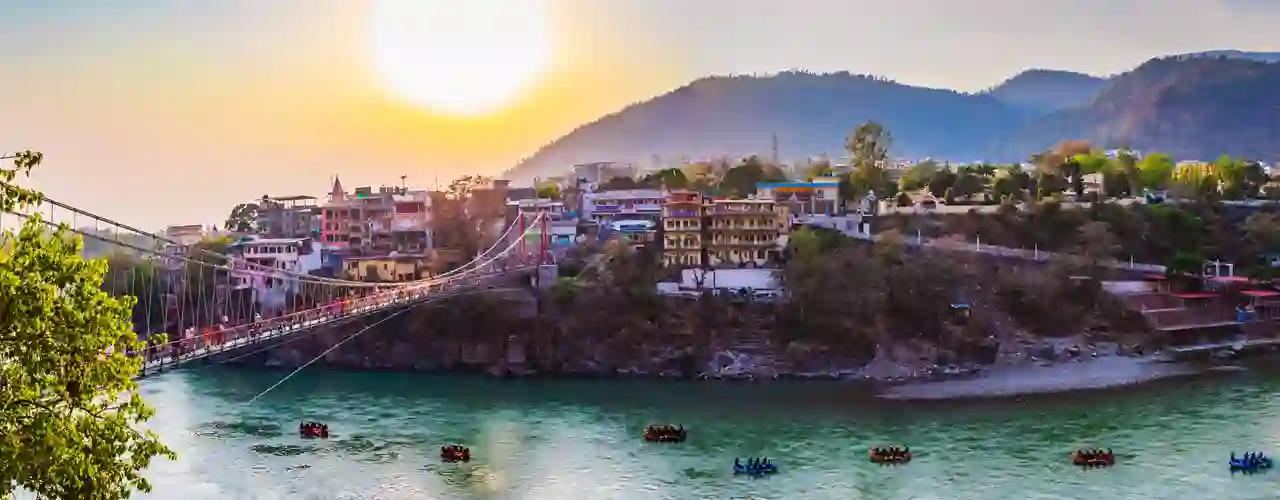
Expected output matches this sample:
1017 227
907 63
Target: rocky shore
468 336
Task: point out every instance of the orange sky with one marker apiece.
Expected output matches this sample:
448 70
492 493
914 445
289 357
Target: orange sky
158 112
157 128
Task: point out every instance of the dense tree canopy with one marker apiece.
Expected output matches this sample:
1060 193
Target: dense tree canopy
1155 171
69 409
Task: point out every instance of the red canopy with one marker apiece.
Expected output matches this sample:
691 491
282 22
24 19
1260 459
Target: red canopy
1155 277
1195 295
1261 294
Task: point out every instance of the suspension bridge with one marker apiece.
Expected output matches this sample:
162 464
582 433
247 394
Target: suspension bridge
206 306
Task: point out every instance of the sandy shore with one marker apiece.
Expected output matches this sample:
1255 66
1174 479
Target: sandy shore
1004 381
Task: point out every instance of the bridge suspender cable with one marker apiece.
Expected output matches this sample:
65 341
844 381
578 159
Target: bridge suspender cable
326 351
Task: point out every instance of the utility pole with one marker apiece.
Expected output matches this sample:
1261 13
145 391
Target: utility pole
775 148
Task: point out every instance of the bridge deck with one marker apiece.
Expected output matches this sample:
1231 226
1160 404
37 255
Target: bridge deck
183 351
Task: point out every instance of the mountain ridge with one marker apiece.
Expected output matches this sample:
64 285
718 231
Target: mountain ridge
1177 104
1041 91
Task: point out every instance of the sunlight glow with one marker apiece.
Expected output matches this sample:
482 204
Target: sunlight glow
463 58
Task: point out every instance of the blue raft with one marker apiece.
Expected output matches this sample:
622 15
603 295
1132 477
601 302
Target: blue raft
1255 463
754 469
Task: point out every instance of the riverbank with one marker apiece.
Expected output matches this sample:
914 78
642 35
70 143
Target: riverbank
726 343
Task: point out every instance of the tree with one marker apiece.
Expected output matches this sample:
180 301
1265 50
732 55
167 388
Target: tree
741 180
918 175
1262 235
620 182
868 149
1196 181
1127 164
820 168
673 178
1096 241
127 274
243 218
1240 179
1092 162
1184 264
1155 171
869 144
1060 161
69 408
1010 183
968 183
549 191
1049 184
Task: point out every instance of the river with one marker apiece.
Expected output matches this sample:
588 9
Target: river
560 439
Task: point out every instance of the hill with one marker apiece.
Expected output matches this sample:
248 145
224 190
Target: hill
1193 108
810 114
1043 91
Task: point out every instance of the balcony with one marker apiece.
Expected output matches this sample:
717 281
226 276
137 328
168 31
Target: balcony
744 242
673 225
745 227
751 209
681 213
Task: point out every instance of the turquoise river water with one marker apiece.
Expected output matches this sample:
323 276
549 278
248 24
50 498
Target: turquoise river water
559 439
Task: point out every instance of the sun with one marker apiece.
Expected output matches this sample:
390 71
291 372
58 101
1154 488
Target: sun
460 57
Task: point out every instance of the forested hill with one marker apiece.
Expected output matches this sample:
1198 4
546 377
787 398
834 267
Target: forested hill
1193 108
1042 91
811 114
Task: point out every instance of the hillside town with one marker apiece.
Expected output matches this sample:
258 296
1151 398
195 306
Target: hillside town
1173 252
717 214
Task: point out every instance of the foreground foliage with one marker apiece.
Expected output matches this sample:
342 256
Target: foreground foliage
69 409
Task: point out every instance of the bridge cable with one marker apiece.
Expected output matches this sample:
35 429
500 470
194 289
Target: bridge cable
327 351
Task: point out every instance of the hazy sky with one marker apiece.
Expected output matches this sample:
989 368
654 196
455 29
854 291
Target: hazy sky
172 112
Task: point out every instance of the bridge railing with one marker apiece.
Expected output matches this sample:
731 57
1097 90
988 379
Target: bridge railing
213 341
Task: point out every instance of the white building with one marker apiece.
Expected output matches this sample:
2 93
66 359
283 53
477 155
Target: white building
295 255
631 204
819 196
411 223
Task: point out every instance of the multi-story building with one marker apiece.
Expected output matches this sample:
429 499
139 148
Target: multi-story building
288 217
294 255
340 221
743 233
682 226
820 196
623 204
370 222
636 232
411 221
